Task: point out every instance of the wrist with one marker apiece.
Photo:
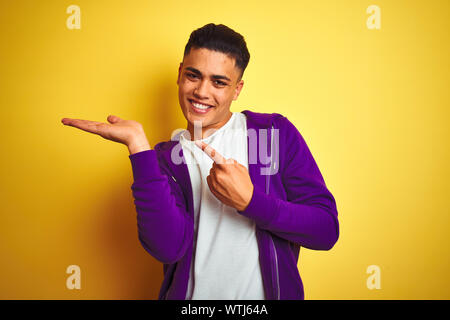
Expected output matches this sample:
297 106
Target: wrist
138 145
248 200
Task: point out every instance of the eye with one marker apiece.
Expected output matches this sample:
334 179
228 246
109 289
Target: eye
191 75
220 83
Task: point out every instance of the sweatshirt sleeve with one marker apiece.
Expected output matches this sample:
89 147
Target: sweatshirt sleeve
309 216
164 226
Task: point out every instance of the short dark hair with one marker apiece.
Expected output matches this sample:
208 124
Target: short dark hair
221 38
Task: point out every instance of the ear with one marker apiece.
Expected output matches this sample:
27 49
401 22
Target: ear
179 72
238 89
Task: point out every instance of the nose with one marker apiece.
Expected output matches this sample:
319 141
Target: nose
201 91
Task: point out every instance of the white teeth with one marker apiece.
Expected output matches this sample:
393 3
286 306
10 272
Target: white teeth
200 106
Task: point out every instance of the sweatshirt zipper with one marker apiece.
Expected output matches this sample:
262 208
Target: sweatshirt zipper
276 268
271 240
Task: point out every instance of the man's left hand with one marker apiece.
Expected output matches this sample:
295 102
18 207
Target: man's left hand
228 180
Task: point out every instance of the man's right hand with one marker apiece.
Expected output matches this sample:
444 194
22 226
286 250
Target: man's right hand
128 132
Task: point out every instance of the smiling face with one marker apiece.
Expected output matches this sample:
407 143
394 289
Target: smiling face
208 81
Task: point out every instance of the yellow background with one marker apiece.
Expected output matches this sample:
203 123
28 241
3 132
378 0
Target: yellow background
373 106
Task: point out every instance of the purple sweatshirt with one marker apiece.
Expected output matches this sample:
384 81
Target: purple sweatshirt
290 205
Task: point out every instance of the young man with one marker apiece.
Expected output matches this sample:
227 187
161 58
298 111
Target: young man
227 203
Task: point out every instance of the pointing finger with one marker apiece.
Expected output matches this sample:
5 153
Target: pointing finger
211 152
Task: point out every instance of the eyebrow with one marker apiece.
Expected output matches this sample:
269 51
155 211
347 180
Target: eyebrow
214 76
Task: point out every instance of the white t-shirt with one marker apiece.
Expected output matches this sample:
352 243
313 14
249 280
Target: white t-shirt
225 262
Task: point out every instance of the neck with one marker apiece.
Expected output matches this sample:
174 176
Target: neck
200 132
